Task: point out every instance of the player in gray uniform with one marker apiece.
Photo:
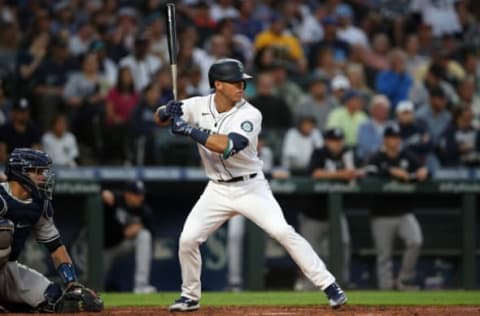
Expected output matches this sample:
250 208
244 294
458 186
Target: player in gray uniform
25 206
226 128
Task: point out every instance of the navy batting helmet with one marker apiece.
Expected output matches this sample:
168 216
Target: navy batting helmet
24 160
226 69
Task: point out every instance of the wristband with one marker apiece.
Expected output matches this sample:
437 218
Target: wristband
67 273
200 136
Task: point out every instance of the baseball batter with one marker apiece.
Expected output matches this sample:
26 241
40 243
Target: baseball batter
226 128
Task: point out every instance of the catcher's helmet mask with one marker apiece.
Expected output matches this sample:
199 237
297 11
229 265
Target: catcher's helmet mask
25 160
227 70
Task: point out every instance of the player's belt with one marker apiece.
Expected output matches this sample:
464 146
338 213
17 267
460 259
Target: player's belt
238 179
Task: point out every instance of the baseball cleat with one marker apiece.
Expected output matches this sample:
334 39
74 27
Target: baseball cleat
336 296
184 304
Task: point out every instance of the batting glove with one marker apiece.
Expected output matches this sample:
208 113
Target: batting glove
174 108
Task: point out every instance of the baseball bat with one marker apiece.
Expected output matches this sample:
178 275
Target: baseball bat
172 45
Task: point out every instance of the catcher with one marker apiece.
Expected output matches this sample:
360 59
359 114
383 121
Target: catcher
26 206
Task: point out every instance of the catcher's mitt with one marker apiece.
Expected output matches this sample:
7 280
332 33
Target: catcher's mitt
78 298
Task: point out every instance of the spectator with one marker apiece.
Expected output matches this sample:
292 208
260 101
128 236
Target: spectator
28 63
460 143
85 94
246 23
325 63
19 132
414 58
370 133
5 106
10 37
52 75
349 117
414 133
299 143
341 49
346 30
376 59
158 37
277 36
127 229
340 85
239 46
142 63
120 103
440 15
435 114
108 67
318 103
276 113
391 214
467 95
80 42
469 24
286 88
419 93
331 162
143 126
395 82
356 77
59 143
224 9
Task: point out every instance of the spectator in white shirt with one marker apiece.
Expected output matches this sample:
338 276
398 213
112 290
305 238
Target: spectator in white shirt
142 63
59 143
346 30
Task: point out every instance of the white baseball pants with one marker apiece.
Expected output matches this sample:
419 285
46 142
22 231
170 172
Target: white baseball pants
254 199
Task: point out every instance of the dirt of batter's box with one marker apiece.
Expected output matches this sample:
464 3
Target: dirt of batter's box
349 310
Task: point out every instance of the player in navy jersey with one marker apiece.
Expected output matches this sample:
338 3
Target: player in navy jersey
25 207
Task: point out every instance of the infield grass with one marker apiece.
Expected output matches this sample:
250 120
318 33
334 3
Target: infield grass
299 298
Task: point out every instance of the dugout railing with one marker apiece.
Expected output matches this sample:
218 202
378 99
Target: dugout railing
465 190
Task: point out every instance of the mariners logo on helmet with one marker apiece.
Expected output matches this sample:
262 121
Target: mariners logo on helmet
228 70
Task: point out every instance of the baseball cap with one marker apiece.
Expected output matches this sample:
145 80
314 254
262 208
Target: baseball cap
344 10
404 106
136 187
340 82
329 20
391 130
350 94
21 105
333 133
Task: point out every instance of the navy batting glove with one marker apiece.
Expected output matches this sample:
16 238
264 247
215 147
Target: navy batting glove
180 127
174 108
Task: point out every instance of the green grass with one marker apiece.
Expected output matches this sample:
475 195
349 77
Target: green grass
300 298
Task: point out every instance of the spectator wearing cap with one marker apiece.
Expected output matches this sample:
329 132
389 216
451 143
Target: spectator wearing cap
460 143
391 214
318 103
370 133
286 44
59 143
414 133
340 85
346 30
299 143
127 229
349 117
341 49
51 77
20 131
435 114
334 161
108 68
394 82
142 63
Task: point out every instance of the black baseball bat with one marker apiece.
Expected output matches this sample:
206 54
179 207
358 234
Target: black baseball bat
172 45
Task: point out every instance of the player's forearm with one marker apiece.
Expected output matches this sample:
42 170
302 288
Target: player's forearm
60 255
217 143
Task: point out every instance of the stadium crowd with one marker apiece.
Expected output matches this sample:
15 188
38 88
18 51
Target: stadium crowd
81 79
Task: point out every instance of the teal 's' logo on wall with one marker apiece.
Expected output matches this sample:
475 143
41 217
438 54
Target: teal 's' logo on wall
247 126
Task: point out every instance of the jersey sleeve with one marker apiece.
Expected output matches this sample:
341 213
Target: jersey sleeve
249 125
45 230
188 108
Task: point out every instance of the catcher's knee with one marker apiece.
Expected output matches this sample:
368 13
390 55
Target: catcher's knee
6 237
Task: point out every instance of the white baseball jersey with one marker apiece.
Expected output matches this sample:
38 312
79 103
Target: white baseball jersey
243 119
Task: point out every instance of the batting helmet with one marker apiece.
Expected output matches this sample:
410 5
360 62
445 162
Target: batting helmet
226 69
24 160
